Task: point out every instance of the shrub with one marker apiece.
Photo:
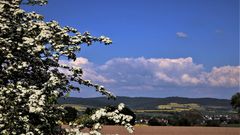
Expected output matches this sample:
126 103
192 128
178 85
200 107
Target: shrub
32 76
156 122
70 114
213 123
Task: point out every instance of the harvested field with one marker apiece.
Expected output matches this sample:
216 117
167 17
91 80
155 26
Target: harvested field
157 130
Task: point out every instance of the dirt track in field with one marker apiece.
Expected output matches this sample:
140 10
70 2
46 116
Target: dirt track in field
157 130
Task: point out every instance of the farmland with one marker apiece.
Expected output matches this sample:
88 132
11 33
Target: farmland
172 111
175 107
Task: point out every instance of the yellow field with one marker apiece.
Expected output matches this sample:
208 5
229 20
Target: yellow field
78 107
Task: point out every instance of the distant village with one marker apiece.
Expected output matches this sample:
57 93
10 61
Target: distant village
205 120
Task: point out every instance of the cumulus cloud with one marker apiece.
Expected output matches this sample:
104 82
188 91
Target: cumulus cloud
153 71
157 73
226 76
181 34
89 70
80 61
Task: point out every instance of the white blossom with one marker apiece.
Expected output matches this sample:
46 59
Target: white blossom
121 106
30 77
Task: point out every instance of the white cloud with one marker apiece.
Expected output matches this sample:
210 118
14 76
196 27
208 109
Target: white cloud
190 80
181 34
226 76
157 73
153 71
80 61
89 70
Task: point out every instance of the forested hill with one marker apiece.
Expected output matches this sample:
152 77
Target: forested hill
145 102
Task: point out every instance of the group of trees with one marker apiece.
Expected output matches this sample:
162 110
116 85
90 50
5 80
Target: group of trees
235 102
188 118
31 80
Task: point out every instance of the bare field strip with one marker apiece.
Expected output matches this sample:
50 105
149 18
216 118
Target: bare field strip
157 130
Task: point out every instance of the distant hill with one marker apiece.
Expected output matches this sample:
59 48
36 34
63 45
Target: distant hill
146 103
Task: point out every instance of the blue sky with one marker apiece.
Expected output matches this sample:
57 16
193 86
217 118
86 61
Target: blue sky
183 47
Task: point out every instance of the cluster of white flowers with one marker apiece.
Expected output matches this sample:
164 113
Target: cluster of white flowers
30 77
36 101
115 115
102 113
16 101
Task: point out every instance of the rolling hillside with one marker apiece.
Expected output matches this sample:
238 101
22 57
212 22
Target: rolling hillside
146 103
